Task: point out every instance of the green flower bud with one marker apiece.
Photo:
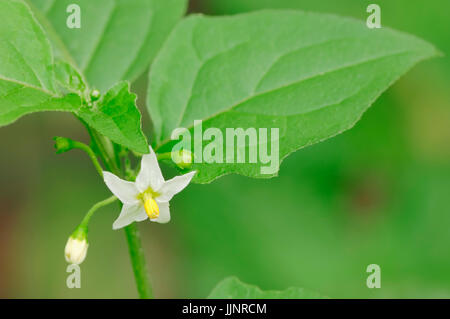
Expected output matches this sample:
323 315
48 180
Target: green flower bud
95 95
182 158
63 144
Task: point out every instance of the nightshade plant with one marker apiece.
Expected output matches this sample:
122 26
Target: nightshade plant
310 75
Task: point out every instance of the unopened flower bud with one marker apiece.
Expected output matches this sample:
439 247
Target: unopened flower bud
63 144
76 247
95 95
182 158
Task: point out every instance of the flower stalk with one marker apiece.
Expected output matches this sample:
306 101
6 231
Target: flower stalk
77 245
87 218
63 144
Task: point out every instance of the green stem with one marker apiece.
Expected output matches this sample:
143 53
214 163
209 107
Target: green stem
91 155
164 156
138 262
96 207
105 149
132 234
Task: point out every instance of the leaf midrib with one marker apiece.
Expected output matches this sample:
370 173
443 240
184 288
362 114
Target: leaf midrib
28 85
290 84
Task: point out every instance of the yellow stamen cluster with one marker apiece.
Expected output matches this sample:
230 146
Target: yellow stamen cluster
150 205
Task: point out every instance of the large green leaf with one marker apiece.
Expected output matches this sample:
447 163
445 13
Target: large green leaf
118 38
310 75
116 116
27 80
233 288
432 26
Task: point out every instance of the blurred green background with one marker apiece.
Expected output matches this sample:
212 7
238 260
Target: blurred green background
379 193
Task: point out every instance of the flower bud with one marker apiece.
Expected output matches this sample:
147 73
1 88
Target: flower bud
76 247
63 144
95 95
182 158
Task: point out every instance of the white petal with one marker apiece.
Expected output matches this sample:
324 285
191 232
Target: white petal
174 186
150 174
141 216
130 214
125 191
164 213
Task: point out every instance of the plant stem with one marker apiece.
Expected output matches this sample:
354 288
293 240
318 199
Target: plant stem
96 207
131 232
91 155
138 262
164 156
104 148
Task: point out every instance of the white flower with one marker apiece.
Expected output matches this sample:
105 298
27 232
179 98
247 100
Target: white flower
76 250
149 196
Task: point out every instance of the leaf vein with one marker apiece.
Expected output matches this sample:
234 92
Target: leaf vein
296 50
295 83
28 85
25 62
198 72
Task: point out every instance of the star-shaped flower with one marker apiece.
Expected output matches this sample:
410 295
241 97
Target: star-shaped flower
149 196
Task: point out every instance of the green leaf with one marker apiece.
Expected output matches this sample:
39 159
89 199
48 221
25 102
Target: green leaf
118 38
310 75
69 78
233 288
116 116
27 80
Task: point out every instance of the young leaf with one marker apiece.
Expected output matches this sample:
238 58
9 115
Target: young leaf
117 39
310 75
116 116
27 81
233 288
